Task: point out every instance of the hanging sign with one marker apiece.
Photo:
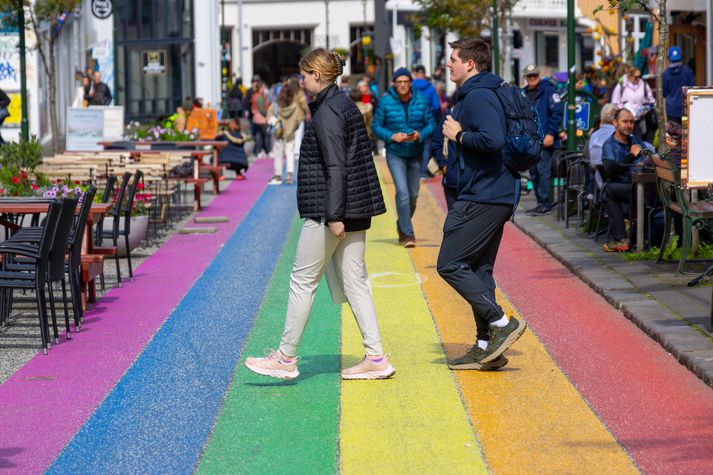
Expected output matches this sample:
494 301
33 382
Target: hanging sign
153 62
102 9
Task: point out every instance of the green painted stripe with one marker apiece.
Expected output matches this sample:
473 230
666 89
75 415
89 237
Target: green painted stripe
272 426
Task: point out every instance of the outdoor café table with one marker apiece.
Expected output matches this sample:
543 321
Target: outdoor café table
640 179
216 146
36 206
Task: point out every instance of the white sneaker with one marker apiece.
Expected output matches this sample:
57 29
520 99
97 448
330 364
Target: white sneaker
275 180
367 369
273 365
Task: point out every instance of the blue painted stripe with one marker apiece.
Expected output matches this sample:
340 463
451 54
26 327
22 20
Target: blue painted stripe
160 414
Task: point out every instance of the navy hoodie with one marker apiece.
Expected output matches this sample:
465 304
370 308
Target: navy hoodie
675 78
483 176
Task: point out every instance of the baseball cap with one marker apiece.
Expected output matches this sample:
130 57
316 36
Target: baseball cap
674 53
531 69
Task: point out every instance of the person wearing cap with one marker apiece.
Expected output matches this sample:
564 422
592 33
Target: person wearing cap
544 98
404 121
675 78
424 86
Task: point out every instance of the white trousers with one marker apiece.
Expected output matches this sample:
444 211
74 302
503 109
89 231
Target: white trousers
319 251
284 152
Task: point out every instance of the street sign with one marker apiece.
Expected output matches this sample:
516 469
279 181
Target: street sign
581 116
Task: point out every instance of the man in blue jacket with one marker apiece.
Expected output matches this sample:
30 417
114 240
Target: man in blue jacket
675 78
424 86
486 198
543 96
404 121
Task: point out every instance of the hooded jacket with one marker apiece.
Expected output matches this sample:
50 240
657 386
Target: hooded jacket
675 78
549 107
483 176
425 87
289 119
337 178
390 118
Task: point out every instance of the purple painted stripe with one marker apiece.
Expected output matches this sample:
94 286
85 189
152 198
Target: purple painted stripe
45 403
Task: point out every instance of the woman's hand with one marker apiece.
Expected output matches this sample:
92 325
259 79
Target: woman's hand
337 228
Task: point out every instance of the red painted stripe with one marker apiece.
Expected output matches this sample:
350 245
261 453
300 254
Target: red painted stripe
658 410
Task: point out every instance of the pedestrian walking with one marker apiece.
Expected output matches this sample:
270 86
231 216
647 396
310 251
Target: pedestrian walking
338 193
634 94
675 78
99 93
543 96
424 86
285 116
404 121
258 106
486 198
301 98
235 99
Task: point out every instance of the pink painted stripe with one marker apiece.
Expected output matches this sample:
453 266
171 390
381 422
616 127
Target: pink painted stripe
48 399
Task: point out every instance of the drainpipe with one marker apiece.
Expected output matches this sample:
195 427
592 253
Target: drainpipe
709 42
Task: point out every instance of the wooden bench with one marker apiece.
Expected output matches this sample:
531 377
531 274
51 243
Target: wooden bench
676 201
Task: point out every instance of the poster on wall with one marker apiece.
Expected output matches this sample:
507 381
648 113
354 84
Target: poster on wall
102 54
15 109
153 62
9 62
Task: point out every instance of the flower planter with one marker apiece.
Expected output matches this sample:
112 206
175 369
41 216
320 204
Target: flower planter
137 233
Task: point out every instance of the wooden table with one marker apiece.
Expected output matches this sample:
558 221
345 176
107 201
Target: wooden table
216 145
640 179
93 258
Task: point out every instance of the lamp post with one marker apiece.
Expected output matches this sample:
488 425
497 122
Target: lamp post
326 20
24 124
571 105
495 36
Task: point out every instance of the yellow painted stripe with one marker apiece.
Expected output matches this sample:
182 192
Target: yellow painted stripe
528 416
415 422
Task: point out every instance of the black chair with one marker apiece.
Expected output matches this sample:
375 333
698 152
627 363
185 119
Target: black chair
125 213
73 264
601 203
36 279
106 197
576 186
115 212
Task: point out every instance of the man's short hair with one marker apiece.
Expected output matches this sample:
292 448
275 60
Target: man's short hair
473 49
419 68
608 113
621 111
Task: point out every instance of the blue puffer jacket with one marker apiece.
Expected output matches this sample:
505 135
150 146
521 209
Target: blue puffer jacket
549 107
675 78
390 118
483 176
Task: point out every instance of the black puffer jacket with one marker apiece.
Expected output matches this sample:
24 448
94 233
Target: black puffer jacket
337 179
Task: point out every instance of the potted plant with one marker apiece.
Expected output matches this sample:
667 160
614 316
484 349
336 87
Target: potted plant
19 161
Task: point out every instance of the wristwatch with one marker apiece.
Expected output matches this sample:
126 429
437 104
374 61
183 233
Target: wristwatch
459 136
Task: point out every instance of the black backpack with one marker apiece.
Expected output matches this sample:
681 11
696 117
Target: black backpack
523 144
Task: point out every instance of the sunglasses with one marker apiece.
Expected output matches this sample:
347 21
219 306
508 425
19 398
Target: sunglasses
637 77
532 76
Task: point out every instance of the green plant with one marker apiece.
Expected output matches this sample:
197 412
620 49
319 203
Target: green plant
672 252
25 155
19 161
157 132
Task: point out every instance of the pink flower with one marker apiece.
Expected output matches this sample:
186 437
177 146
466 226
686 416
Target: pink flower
35 187
15 180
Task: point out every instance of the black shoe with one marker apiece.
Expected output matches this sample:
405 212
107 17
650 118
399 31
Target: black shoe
538 210
472 360
502 338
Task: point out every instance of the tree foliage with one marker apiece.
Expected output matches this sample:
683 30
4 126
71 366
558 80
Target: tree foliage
464 17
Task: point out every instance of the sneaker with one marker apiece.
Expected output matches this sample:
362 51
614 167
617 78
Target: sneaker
275 180
617 246
367 369
240 176
501 339
288 179
409 241
472 360
273 365
538 210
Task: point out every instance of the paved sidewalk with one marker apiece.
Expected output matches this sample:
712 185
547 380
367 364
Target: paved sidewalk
650 294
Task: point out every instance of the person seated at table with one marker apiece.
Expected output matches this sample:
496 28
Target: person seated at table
620 153
599 136
233 155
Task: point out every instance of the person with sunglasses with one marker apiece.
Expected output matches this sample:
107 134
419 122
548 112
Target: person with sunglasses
635 94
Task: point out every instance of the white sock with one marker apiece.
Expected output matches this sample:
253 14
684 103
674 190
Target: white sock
502 322
482 344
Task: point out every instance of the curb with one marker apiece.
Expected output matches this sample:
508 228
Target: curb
692 349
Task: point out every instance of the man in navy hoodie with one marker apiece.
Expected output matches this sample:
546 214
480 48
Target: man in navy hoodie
675 78
486 198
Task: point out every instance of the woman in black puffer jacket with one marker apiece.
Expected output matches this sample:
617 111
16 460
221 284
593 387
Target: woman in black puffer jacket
338 193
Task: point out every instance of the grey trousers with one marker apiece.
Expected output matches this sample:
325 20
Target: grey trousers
319 252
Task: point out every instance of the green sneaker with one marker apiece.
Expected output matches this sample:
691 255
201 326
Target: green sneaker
502 338
472 360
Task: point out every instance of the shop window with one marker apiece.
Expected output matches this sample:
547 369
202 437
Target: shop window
547 50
